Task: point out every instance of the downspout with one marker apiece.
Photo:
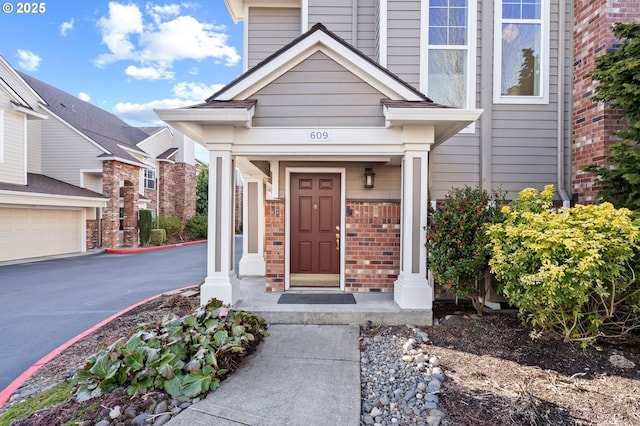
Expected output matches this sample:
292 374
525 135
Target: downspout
566 200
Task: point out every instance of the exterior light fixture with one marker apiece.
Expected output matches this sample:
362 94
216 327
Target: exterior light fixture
369 175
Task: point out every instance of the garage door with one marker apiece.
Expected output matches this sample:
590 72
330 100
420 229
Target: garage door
26 233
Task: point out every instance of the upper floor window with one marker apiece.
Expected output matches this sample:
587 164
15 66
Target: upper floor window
521 51
450 43
149 179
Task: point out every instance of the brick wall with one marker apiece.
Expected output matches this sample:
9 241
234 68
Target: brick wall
593 123
274 244
92 234
113 173
177 190
372 246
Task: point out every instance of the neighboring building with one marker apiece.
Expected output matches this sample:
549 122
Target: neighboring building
73 176
421 95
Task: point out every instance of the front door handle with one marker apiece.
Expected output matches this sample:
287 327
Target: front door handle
338 237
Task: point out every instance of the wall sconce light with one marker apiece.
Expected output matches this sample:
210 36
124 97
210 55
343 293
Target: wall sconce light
369 175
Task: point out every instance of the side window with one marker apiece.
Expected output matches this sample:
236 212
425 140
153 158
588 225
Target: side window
149 179
451 43
521 47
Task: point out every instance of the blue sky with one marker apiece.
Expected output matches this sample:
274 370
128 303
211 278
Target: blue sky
126 57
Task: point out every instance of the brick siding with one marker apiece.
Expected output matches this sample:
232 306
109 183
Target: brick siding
114 172
593 123
372 246
274 245
177 190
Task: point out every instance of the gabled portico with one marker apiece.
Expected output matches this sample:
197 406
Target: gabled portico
355 114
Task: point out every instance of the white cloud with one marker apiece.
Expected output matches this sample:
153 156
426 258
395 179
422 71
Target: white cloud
197 91
149 73
186 93
66 27
143 113
85 97
28 60
123 21
160 40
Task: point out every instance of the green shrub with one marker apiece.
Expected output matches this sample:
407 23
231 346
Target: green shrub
145 224
572 271
173 225
185 357
457 244
158 236
197 226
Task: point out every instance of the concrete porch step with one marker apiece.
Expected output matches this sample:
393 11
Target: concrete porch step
329 316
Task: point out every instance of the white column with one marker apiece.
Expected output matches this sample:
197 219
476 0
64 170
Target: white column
252 262
219 281
412 289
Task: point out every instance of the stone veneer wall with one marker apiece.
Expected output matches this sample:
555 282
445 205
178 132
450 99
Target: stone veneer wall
274 244
92 234
177 186
114 172
593 123
372 246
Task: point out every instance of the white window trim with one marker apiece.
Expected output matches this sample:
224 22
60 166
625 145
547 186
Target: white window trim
545 24
145 179
471 48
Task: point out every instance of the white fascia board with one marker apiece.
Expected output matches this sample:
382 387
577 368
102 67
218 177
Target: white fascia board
319 41
447 121
237 8
238 117
29 112
48 200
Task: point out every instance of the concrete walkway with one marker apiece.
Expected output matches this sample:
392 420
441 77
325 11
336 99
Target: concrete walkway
300 375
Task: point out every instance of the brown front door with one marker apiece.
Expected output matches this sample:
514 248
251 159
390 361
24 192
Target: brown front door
315 229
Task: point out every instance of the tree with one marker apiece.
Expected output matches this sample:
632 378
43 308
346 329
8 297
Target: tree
202 191
618 77
457 243
145 224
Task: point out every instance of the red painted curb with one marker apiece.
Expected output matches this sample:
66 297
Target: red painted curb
143 249
6 393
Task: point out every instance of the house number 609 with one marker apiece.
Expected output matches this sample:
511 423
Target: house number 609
318 135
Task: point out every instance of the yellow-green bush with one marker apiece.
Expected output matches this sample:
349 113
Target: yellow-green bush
573 271
158 236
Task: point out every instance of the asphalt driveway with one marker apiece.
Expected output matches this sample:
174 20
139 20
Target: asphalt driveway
44 304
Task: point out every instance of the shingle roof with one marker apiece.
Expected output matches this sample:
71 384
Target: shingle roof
102 127
41 184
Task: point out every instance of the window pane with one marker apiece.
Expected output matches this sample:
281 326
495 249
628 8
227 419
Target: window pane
458 36
521 9
447 77
510 11
531 11
438 36
437 17
521 52
458 3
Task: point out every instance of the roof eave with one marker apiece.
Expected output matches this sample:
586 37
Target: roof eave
191 121
446 121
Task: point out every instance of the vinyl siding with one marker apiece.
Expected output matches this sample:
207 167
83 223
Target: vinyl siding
34 147
336 15
523 137
403 40
269 29
65 152
12 168
367 28
318 92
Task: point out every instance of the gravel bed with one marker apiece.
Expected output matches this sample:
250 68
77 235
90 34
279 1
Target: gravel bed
400 381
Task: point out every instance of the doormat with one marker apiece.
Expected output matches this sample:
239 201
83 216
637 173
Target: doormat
317 299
